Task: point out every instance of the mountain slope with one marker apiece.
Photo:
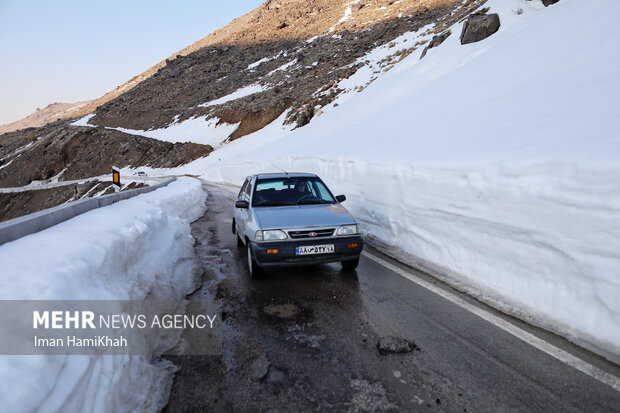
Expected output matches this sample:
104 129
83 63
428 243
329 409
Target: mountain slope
492 165
289 54
41 117
282 57
283 20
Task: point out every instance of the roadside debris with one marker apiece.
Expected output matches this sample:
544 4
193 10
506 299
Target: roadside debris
285 311
391 344
259 367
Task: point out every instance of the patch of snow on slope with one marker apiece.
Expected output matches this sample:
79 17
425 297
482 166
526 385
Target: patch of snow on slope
9 162
111 253
493 163
196 130
254 65
347 14
258 62
284 67
238 94
84 121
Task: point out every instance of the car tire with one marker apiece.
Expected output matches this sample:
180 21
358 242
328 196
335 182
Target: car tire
350 265
234 231
255 270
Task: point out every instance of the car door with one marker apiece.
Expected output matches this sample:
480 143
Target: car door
242 214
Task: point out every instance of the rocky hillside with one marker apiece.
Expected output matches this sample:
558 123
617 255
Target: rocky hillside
66 152
41 117
278 20
286 56
294 52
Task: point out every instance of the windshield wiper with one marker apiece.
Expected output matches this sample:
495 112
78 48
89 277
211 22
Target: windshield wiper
269 204
313 201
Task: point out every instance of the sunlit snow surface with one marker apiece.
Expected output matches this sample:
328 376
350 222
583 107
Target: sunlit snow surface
494 163
119 252
238 94
197 130
84 121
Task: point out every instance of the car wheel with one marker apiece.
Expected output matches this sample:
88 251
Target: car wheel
239 241
350 265
253 267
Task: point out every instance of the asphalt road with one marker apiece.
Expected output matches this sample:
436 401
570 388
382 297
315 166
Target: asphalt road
305 339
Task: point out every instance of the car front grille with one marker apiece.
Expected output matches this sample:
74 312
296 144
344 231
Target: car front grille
318 233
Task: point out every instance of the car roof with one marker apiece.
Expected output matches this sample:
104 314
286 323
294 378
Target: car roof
284 175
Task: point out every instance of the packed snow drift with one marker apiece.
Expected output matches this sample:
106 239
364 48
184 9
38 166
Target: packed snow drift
493 164
127 251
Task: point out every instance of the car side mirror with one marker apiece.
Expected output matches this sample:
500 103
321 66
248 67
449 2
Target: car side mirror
341 198
242 204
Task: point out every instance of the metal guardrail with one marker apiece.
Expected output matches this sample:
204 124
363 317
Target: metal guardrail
38 221
50 185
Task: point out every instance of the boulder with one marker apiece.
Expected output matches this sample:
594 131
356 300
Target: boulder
273 4
436 41
393 344
549 2
259 367
479 27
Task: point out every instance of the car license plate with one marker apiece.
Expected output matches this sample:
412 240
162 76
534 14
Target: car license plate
314 249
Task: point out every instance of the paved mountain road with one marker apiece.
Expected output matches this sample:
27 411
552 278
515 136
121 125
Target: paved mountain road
305 339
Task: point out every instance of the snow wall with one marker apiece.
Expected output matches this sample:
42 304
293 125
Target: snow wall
494 164
127 251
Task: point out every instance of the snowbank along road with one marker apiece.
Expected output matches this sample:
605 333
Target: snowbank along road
307 339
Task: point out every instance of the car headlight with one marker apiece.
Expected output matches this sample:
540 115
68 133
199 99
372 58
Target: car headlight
270 235
348 230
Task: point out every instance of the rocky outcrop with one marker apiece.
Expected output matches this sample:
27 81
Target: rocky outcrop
293 70
436 41
41 117
479 27
273 4
81 152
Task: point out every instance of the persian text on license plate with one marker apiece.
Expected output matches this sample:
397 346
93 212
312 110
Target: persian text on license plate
314 249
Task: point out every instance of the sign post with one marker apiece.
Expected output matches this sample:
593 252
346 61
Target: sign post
116 178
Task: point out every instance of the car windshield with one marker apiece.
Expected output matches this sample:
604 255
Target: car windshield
291 191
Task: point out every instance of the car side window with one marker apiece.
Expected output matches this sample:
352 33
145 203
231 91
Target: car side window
248 189
243 187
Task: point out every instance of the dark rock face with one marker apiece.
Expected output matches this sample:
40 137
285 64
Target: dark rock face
393 344
436 41
479 27
83 152
549 2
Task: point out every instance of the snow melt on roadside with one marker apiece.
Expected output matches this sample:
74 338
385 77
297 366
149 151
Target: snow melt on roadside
132 249
197 130
493 163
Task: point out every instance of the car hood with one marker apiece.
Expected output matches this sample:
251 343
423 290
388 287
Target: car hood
303 216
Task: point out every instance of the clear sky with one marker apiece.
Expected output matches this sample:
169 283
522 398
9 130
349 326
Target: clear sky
69 50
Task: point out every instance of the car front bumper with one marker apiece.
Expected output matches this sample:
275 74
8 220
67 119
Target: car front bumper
286 256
